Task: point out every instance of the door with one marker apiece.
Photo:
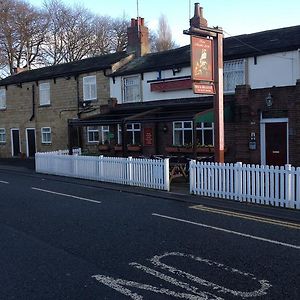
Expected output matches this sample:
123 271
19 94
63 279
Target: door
15 142
30 135
276 144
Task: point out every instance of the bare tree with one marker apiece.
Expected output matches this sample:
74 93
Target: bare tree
119 38
162 39
21 33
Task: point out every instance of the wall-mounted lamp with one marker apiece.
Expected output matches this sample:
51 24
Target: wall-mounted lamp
269 100
165 128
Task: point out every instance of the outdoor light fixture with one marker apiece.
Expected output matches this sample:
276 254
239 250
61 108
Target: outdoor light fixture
269 100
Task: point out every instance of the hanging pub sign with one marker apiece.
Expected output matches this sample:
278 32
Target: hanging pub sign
202 59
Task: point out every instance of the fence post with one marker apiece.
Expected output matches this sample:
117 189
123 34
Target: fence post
192 174
238 181
129 177
167 174
288 185
100 167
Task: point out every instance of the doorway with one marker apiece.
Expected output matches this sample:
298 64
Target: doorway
15 142
30 142
274 134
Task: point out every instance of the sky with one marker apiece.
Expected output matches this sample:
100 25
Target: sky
234 16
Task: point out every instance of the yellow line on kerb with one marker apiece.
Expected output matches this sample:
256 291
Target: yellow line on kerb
246 216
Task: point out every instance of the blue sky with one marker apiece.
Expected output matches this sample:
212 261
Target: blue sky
234 16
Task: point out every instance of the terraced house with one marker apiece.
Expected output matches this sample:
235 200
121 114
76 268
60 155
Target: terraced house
36 105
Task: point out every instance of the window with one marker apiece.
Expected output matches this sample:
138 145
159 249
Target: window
46 135
105 137
2 136
96 134
132 89
93 134
44 89
133 133
205 133
182 133
2 99
89 88
234 74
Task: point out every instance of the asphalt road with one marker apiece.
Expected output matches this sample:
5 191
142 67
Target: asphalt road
65 240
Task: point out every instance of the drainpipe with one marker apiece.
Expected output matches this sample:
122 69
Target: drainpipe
33 103
77 92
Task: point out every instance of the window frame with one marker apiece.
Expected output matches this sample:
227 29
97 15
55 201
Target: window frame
44 93
87 84
2 134
239 66
203 128
134 131
138 87
2 98
44 133
92 130
183 129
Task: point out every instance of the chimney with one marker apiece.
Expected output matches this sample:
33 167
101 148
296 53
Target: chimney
198 20
138 37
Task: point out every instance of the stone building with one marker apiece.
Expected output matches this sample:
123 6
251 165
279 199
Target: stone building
36 105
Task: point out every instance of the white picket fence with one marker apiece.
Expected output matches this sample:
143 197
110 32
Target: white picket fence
277 186
150 173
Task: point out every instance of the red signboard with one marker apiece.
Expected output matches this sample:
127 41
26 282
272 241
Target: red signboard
174 85
148 137
204 88
202 59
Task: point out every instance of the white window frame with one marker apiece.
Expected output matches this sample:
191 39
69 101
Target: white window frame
235 72
2 136
2 99
44 93
89 84
130 127
183 130
201 128
131 82
48 132
93 130
104 130
119 134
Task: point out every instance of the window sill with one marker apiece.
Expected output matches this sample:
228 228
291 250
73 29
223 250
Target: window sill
46 144
45 105
2 108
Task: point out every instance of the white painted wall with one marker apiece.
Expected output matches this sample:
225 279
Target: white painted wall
279 69
147 95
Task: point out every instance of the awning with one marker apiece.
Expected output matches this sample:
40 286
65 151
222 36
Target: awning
208 115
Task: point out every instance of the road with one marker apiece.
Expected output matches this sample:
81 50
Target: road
67 240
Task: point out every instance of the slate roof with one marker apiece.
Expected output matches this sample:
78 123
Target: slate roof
67 69
241 46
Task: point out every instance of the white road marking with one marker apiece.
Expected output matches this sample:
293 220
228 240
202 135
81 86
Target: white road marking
192 292
265 285
4 182
229 231
65 195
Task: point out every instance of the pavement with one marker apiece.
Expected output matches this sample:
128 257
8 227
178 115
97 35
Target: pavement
179 192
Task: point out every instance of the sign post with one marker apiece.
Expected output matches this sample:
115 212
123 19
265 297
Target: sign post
207 70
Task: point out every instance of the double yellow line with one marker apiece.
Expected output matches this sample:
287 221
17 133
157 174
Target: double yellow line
247 216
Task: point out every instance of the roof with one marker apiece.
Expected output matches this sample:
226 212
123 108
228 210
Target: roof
67 69
241 46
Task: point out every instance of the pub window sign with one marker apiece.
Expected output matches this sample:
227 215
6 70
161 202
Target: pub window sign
202 59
